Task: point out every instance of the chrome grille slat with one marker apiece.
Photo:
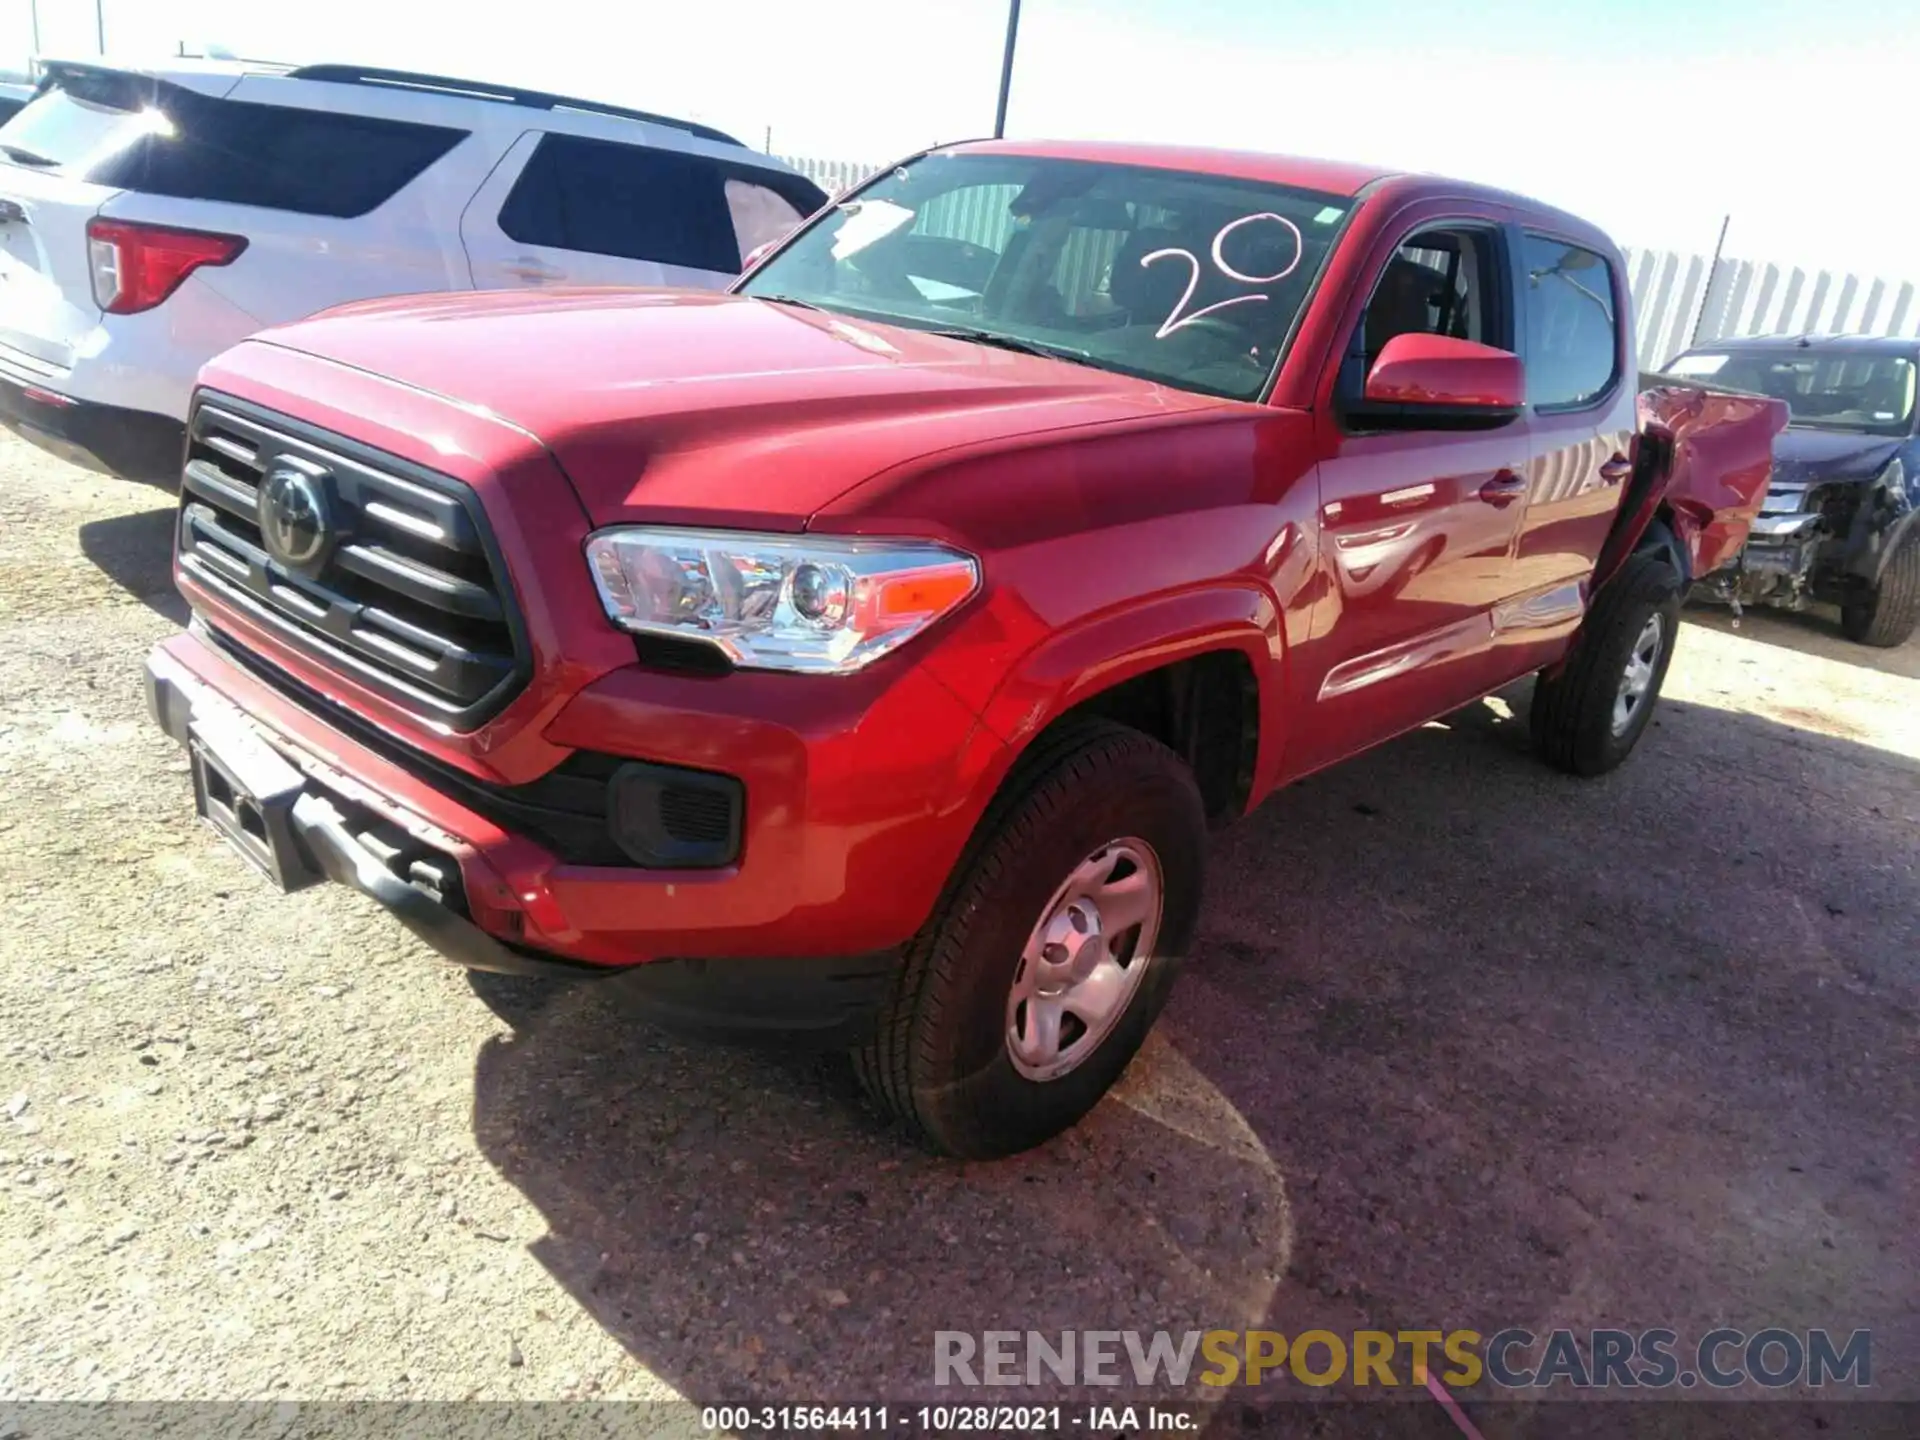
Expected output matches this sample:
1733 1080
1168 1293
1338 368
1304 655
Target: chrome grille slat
406 595
238 493
361 486
231 448
430 587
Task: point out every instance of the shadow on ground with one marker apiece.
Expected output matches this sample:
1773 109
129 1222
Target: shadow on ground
135 551
1464 1044
1811 632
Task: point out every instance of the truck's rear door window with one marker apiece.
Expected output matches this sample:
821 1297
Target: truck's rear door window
1571 351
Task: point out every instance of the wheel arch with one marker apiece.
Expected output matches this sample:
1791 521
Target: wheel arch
1869 555
1200 672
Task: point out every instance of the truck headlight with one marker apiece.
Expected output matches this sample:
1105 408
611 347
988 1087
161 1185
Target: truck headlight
817 605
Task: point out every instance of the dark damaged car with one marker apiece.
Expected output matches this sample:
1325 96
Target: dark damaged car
1838 525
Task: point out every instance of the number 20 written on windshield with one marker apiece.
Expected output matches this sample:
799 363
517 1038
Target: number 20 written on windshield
1177 320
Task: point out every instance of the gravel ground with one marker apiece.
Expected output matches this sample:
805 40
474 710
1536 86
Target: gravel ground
1464 1044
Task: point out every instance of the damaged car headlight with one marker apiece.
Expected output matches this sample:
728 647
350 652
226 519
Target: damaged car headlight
804 603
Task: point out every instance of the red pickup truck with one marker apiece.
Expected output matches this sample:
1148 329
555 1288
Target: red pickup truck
868 651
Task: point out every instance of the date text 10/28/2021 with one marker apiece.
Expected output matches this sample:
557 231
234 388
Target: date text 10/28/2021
953 1419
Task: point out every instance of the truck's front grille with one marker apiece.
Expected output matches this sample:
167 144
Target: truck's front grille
380 569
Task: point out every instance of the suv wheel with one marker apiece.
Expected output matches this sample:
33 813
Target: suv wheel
1587 717
1052 950
1888 613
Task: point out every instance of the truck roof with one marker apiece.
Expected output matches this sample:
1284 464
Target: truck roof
1332 177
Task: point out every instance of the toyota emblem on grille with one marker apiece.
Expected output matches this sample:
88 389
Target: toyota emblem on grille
293 516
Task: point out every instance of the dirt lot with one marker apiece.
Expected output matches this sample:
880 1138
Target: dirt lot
1464 1044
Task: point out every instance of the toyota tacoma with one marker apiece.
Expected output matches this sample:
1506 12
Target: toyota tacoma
868 651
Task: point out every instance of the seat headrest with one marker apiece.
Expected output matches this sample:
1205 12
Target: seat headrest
1401 304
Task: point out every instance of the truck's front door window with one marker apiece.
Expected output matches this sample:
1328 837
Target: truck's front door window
1439 282
1190 279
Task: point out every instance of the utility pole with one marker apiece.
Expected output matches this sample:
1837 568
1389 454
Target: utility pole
100 23
1713 273
1006 69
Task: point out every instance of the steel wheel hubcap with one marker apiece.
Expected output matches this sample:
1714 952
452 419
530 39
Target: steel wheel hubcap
1084 960
1637 682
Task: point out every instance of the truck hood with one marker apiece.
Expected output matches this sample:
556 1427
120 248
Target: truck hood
1803 457
684 408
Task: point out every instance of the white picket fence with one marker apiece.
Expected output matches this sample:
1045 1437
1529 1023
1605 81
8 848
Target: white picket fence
1682 299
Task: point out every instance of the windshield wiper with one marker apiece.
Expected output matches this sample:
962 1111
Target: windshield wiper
1015 343
794 301
27 157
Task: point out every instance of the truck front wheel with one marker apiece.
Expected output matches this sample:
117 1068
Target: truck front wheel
1052 951
1588 715
1887 614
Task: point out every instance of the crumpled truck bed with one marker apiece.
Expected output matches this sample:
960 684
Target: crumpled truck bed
1705 455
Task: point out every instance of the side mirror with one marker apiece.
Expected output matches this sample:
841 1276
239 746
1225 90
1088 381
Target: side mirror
1435 382
757 254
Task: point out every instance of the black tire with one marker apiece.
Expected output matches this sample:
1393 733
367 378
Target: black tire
1573 716
939 1058
1887 614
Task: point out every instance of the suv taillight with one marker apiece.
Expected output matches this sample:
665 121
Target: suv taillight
135 267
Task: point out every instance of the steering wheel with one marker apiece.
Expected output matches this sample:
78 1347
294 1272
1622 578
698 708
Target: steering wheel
887 280
1219 334
1214 326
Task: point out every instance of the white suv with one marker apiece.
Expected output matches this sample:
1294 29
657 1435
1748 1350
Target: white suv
150 218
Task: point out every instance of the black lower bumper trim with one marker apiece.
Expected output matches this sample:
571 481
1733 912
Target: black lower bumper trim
322 829
823 1001
130 444
326 841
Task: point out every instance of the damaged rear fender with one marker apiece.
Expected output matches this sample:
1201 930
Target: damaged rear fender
1703 457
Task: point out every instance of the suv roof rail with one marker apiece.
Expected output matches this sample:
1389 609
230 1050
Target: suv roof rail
504 94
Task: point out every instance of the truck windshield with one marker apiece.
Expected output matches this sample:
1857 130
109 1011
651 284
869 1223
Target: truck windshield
1189 279
1867 391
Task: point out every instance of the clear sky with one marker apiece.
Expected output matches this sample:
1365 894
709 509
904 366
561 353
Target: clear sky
1652 117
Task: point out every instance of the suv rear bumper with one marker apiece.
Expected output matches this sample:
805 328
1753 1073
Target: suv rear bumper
131 444
739 948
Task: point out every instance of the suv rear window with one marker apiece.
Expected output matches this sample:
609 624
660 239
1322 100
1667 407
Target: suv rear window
139 134
637 203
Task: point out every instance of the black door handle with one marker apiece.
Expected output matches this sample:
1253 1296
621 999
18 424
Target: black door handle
1503 489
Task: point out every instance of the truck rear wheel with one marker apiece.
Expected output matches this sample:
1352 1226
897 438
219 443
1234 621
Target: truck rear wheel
1052 950
1888 613
1587 718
